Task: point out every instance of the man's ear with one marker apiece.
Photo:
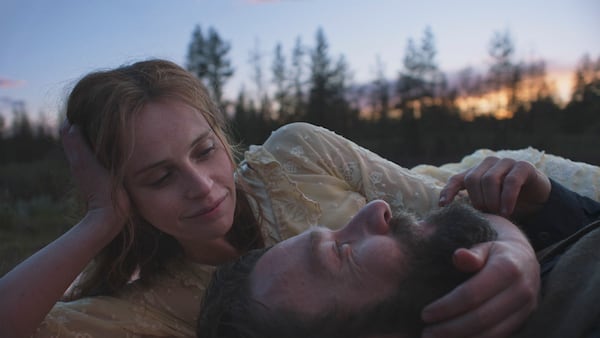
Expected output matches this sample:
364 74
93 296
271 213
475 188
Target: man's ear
472 260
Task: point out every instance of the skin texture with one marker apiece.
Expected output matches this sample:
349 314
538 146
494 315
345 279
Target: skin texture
489 304
181 179
361 264
202 186
332 268
101 107
505 187
30 294
492 304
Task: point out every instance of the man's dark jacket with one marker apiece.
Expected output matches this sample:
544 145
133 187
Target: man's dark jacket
566 235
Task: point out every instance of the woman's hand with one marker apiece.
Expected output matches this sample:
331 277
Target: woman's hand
498 298
94 182
501 186
30 290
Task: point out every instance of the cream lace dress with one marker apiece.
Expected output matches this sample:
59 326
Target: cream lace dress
302 176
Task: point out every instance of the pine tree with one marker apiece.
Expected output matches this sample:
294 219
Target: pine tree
208 59
380 95
298 80
420 81
327 104
504 73
280 78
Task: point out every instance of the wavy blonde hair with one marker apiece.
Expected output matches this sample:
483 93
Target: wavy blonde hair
104 105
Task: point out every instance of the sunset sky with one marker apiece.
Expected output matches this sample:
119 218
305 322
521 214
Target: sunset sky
46 45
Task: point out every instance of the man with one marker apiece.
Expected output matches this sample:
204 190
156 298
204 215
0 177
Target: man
570 302
564 227
370 278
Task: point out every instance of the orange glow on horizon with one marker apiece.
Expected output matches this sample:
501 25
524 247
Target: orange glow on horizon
494 103
563 80
558 84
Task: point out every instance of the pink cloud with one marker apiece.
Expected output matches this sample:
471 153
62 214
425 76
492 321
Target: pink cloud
9 83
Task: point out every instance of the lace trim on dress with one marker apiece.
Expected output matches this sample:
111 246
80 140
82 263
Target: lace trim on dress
292 207
580 177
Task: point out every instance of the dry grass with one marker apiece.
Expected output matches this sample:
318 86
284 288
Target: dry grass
26 227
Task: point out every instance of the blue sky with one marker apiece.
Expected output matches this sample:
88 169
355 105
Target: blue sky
46 45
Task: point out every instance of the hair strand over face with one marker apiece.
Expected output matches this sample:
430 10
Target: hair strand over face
105 105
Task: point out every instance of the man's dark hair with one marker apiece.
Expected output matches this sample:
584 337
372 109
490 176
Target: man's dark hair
226 299
430 273
228 310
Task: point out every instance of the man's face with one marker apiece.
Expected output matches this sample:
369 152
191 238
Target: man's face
321 270
375 265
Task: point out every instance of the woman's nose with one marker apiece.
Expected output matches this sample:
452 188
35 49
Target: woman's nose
198 184
373 218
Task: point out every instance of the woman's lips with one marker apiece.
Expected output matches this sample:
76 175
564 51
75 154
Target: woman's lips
208 210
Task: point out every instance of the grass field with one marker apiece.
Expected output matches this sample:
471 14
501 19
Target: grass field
15 246
28 226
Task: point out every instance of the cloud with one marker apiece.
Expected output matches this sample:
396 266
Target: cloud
9 83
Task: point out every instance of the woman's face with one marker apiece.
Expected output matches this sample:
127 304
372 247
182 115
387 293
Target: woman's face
180 176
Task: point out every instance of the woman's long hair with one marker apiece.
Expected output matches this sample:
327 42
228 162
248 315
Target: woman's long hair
104 105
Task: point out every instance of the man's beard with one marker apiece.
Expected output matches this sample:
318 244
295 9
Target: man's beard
430 272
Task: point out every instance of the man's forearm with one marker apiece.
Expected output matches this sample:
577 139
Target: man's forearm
563 214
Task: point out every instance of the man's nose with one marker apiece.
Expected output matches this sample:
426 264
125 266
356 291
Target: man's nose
373 218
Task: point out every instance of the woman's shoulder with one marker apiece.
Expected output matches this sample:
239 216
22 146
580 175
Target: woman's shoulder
181 272
296 131
299 127
164 305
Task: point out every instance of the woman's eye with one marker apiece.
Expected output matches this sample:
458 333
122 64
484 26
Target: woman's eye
204 152
161 180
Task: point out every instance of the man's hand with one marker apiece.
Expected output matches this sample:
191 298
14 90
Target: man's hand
498 298
501 186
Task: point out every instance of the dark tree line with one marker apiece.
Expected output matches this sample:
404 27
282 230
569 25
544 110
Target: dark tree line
31 161
422 115
419 117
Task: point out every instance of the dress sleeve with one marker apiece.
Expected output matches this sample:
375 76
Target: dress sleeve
317 159
167 307
582 178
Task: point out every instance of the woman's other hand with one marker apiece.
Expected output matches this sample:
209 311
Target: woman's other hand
505 187
93 181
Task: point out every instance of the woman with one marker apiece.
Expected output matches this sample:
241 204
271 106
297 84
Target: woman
163 208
